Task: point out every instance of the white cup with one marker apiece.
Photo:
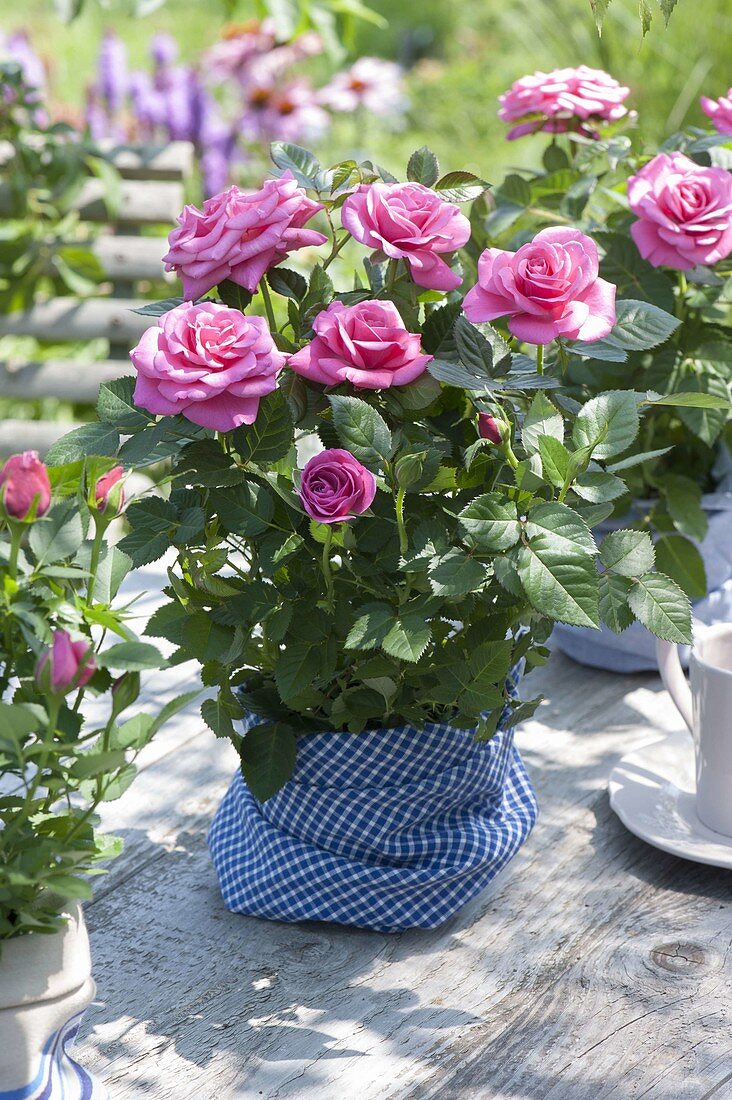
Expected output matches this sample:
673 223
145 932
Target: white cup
706 707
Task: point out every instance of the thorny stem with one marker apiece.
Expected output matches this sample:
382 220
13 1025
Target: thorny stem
327 572
268 305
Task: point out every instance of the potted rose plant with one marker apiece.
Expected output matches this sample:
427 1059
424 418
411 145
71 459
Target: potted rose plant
59 580
663 224
380 507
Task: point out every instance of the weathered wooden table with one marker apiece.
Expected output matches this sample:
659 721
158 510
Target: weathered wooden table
594 966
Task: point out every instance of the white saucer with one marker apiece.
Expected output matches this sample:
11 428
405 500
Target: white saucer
652 790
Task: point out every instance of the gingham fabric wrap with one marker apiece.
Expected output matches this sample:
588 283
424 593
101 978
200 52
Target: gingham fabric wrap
388 829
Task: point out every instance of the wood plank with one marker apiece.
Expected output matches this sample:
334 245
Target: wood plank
142 202
62 378
173 161
594 968
128 259
31 435
71 319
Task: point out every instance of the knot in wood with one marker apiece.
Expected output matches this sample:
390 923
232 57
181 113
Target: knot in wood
679 957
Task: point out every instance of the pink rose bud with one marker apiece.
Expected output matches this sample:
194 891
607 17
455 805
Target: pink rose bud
411 222
335 487
684 212
66 665
489 428
239 236
104 488
23 480
549 288
207 362
565 99
720 111
367 344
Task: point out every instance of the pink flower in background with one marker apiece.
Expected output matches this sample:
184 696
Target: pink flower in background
366 344
720 111
104 487
335 487
66 665
239 236
564 99
289 112
411 222
207 362
549 288
24 479
684 212
371 83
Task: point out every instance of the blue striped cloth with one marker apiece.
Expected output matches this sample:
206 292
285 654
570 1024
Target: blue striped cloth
387 829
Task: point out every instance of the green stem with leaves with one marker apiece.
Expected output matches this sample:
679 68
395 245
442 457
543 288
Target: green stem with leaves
268 307
403 540
540 359
327 571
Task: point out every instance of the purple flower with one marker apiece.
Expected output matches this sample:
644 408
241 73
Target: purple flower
163 49
335 487
112 69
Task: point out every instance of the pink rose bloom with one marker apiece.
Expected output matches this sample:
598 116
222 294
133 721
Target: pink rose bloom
411 222
684 211
720 111
367 344
210 363
23 479
65 665
104 487
549 288
565 99
239 236
335 487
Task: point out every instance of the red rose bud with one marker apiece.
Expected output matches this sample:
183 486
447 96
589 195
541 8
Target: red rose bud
489 428
105 493
23 481
66 665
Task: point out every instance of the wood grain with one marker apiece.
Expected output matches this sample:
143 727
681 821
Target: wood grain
594 968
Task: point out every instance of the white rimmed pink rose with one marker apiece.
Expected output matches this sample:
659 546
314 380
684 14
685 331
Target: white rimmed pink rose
407 221
550 287
564 99
335 487
684 212
239 235
366 344
207 362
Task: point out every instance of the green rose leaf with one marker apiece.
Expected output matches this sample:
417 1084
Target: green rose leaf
461 187
560 583
116 405
629 553
361 430
680 560
660 605
597 486
131 657
268 755
303 165
542 419
423 167
607 424
455 574
490 523
244 509
683 500
157 309
554 460
271 435
562 527
407 638
614 609
78 444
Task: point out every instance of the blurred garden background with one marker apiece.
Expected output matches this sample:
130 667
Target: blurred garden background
375 83
457 59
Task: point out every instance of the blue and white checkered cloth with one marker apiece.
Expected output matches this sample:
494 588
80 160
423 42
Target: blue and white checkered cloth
387 829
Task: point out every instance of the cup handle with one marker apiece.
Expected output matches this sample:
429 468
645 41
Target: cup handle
674 680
